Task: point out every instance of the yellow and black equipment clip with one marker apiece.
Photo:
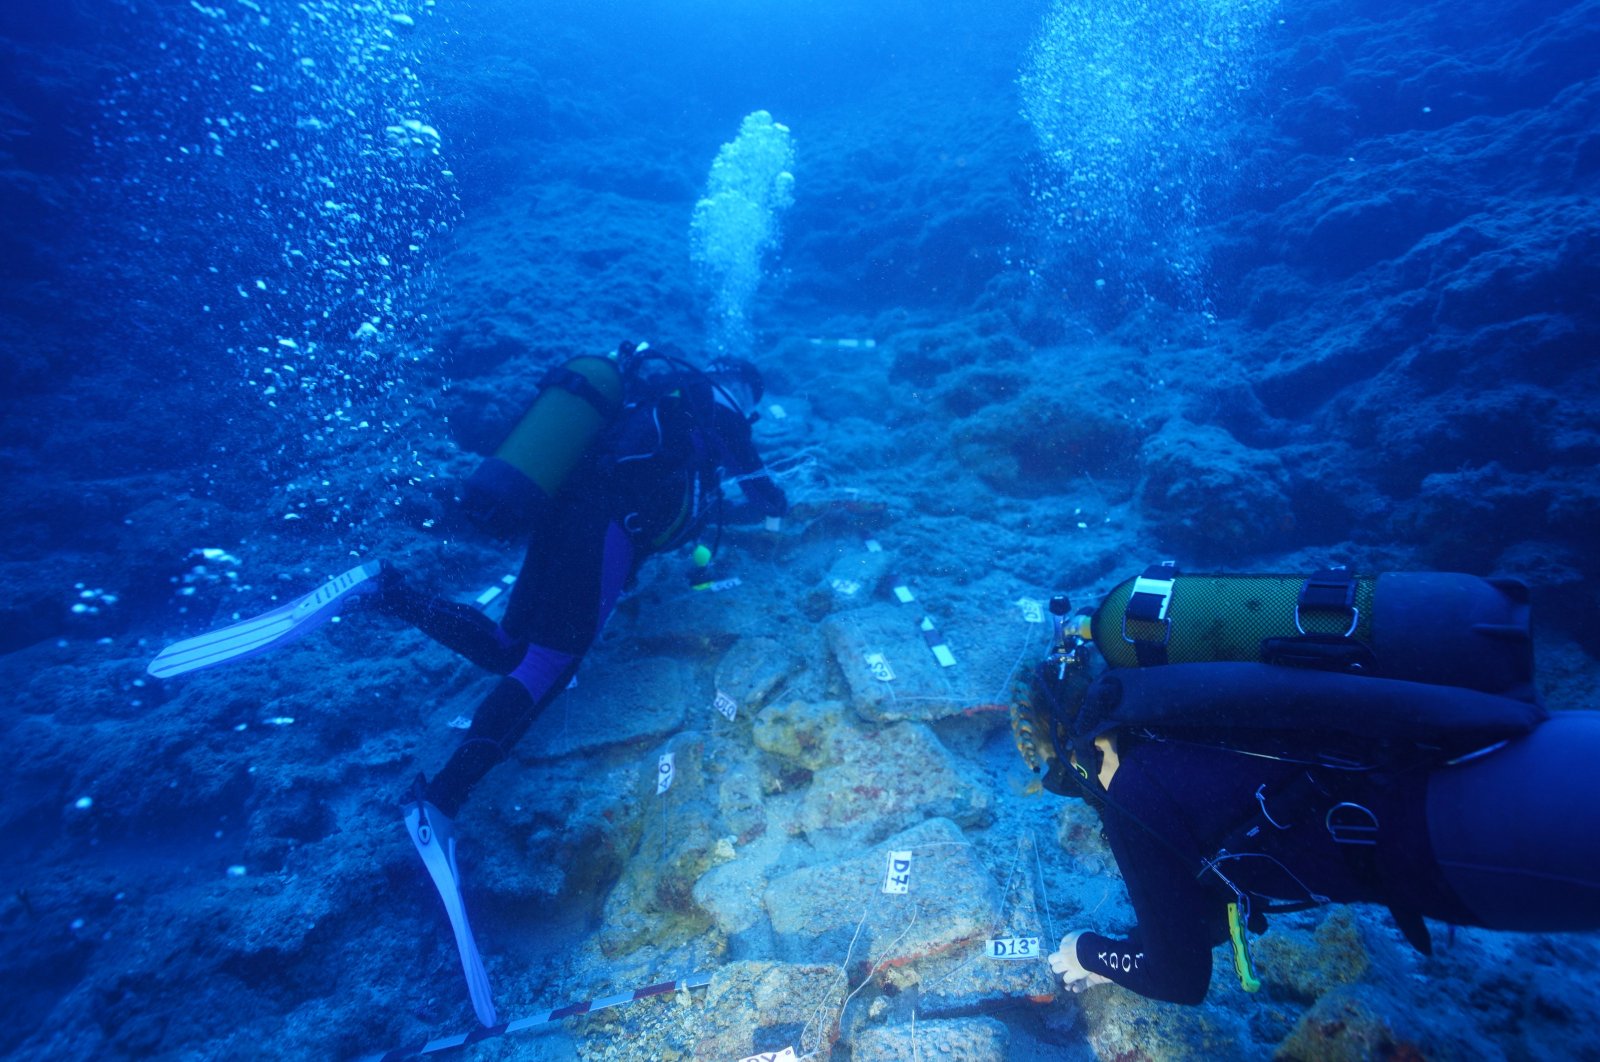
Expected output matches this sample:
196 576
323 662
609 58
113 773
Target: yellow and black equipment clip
1238 936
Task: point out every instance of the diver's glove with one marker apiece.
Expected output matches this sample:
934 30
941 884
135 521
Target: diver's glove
1065 962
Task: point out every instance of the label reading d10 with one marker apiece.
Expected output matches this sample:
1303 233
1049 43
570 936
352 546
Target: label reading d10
1013 948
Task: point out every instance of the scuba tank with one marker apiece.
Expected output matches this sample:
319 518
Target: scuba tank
1441 628
512 489
1437 664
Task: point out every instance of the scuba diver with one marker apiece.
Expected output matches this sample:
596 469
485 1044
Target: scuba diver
1266 743
617 458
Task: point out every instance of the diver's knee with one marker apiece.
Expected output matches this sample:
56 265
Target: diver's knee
541 669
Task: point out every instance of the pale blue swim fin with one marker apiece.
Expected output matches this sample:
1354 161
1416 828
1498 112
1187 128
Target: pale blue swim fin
433 832
282 625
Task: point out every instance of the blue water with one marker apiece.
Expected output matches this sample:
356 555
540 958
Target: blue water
1043 291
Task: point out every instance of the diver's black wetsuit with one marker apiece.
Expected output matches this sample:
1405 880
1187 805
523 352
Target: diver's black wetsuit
650 486
1507 841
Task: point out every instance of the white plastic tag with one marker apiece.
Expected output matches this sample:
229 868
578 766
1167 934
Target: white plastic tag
904 594
845 587
936 644
726 705
899 879
874 546
777 411
1013 948
1032 611
665 771
786 1055
880 667
506 583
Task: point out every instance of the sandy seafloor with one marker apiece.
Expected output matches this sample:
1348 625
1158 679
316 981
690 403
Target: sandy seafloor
1363 330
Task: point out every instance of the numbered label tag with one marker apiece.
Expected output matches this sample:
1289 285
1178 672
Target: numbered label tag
786 1055
899 878
845 587
665 772
1032 611
726 705
880 667
874 546
1013 948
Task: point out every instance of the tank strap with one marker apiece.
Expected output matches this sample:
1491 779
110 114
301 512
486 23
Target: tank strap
1147 609
1329 590
571 380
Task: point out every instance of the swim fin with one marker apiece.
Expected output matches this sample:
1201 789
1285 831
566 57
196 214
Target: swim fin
433 832
280 626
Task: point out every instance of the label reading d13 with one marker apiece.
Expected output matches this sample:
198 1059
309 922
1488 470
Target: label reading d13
899 879
1013 948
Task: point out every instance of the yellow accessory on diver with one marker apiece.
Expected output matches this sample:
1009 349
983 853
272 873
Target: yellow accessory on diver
1243 965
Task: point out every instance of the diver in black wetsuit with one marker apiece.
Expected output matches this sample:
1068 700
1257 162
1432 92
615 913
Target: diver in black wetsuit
1267 742
650 483
1510 840
650 480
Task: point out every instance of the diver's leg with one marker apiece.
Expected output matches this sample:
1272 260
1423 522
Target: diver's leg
578 595
1517 832
499 723
584 590
564 594
459 628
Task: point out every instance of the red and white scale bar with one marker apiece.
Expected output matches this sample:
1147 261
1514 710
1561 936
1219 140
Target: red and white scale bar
571 1010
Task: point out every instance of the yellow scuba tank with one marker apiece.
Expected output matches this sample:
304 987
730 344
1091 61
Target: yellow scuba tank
576 400
1163 616
1443 628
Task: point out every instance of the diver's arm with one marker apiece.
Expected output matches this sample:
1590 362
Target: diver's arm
1168 955
762 495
